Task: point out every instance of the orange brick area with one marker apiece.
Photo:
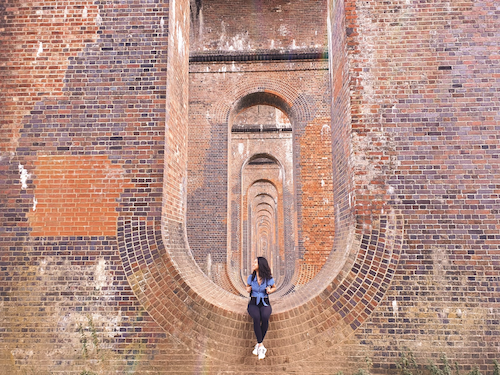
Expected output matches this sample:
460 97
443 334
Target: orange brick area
76 196
317 199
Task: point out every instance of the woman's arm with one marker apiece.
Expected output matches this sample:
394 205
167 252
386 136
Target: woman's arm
271 289
249 288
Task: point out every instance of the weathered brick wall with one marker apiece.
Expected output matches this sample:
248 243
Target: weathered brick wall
83 119
425 139
250 26
220 30
306 85
87 138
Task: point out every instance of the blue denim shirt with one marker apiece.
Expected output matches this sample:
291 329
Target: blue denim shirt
259 291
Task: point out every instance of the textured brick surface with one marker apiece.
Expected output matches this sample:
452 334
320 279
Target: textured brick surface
78 196
104 280
301 89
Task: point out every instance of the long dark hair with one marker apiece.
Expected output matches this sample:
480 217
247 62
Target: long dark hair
264 269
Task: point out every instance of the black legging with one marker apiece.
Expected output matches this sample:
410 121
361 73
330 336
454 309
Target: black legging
260 315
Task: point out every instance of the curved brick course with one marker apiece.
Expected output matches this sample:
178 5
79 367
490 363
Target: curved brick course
180 298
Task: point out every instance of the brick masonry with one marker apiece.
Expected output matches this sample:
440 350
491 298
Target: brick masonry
301 83
96 274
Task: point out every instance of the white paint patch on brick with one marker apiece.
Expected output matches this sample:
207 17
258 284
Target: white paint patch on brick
239 42
43 265
325 130
40 49
98 20
100 275
24 175
395 308
22 353
440 264
35 202
85 12
283 30
180 41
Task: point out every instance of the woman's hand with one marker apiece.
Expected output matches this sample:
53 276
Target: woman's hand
270 289
249 289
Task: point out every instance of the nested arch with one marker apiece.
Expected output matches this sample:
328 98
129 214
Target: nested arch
262 157
262 205
261 161
265 227
280 94
266 98
212 321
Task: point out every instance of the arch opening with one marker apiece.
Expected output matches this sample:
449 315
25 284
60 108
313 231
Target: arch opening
226 91
261 188
165 277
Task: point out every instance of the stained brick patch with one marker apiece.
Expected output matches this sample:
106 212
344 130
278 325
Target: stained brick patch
76 195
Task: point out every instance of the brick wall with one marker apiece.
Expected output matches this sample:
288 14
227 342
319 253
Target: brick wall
425 142
95 270
266 25
83 119
213 93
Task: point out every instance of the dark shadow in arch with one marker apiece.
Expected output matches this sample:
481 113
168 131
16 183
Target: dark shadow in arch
262 98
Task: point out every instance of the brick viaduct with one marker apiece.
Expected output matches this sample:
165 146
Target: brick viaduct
151 148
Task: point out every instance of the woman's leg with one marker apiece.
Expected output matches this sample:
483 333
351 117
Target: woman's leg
254 312
265 313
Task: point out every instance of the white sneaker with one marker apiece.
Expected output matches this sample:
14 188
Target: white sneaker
262 352
256 350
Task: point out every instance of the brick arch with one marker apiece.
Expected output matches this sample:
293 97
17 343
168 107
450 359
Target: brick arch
241 270
171 287
262 155
210 320
277 93
302 112
261 98
283 95
264 207
238 261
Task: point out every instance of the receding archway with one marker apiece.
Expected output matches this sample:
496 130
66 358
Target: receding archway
176 293
262 224
260 174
